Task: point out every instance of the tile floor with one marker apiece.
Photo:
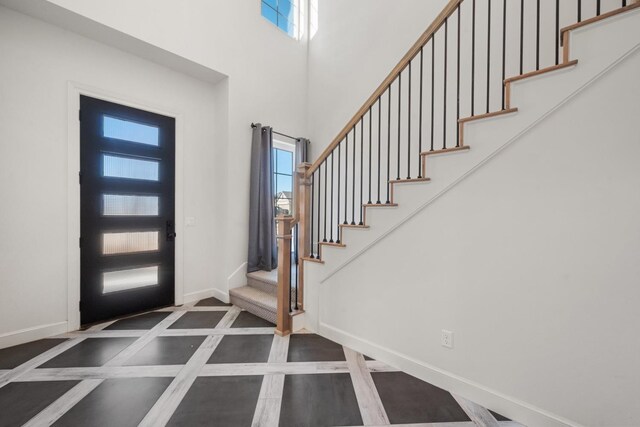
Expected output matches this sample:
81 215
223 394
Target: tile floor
211 364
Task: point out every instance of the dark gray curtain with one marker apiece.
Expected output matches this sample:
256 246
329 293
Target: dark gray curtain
263 252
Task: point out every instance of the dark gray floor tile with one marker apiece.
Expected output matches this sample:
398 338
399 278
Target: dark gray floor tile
19 402
198 320
166 351
90 352
212 302
248 320
319 400
219 401
410 400
116 402
499 417
142 321
313 348
12 357
242 349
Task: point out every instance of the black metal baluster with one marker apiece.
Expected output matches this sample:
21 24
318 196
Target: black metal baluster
297 262
361 168
324 239
379 145
504 50
521 36
538 35
473 58
370 151
624 3
353 182
488 51
409 125
388 144
399 118
579 10
333 176
433 80
319 207
458 84
444 114
290 289
598 8
346 178
420 118
558 32
338 198
313 196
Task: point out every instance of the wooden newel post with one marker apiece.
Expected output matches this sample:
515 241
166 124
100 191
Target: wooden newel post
304 218
283 234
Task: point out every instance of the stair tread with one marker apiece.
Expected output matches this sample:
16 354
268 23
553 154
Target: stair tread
445 150
488 115
353 226
256 296
336 244
402 181
541 71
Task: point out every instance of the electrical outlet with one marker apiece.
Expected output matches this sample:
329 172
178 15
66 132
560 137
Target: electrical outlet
447 338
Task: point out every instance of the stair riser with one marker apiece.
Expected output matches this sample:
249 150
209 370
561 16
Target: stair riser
268 287
259 311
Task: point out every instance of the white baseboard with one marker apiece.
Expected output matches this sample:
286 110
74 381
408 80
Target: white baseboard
511 407
238 278
22 336
207 293
298 322
32 334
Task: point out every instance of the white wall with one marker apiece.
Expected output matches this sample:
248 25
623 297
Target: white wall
39 60
531 261
357 44
266 82
267 79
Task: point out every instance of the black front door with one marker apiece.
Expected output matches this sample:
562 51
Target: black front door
127 177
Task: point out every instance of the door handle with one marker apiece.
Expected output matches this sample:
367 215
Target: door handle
171 234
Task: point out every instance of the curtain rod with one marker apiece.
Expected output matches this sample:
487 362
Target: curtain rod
253 125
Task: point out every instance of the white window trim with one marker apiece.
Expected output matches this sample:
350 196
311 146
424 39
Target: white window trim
286 146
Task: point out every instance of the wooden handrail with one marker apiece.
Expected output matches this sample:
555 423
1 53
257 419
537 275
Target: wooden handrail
415 49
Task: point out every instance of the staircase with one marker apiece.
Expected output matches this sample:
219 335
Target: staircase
382 151
399 149
259 295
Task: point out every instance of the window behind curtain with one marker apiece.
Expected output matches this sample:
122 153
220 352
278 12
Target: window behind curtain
283 181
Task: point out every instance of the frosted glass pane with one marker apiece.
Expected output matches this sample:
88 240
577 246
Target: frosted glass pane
114 281
130 131
122 243
127 167
120 205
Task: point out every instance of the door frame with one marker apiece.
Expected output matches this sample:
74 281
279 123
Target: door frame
74 90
